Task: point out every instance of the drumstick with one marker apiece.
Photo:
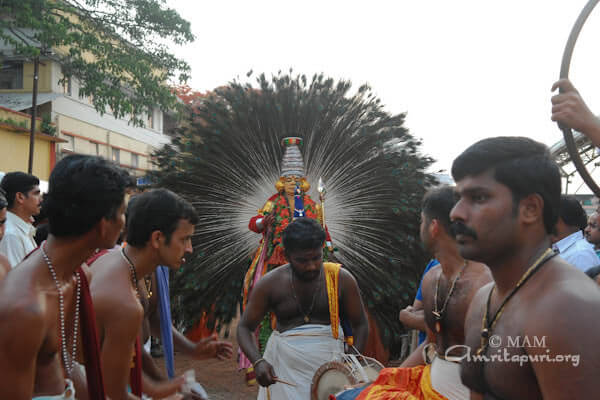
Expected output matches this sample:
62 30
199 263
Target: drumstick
284 382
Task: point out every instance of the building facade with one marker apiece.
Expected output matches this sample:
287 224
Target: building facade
81 128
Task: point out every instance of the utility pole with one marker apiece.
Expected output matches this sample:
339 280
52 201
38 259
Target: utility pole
36 70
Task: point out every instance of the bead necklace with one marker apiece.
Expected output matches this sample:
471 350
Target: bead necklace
312 304
134 279
61 309
487 328
437 313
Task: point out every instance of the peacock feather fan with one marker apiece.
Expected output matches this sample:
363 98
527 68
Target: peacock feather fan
224 158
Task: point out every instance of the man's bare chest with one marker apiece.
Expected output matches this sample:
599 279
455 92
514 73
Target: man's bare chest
293 306
500 366
445 314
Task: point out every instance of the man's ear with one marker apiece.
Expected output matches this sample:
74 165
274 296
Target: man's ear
434 228
102 227
156 238
531 209
19 198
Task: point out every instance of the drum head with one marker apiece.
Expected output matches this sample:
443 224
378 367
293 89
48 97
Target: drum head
330 378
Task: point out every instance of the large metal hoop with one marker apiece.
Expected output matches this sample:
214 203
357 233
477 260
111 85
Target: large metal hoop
564 73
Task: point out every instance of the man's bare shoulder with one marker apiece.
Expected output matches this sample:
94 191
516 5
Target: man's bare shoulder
561 286
23 313
481 295
275 276
347 280
429 278
24 279
346 274
478 273
111 288
108 274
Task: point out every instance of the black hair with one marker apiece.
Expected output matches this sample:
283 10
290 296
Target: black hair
41 233
131 182
17 182
83 190
593 272
437 204
3 202
303 234
522 164
156 210
572 213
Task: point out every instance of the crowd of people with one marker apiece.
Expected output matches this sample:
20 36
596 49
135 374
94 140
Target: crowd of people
506 307
76 308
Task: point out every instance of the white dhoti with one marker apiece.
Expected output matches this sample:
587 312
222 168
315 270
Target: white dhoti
445 379
68 394
295 356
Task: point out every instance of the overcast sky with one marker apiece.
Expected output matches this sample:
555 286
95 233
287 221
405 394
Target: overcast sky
462 70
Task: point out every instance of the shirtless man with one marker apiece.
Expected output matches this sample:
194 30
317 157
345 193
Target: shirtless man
457 280
508 192
85 205
160 225
306 335
4 263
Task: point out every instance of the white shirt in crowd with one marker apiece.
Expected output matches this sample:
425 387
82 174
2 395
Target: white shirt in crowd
577 251
18 240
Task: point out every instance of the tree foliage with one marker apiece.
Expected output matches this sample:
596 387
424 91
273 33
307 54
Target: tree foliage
117 49
225 159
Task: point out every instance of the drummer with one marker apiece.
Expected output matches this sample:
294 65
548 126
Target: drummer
307 297
448 289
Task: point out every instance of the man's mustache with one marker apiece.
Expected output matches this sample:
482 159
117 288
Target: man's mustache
459 228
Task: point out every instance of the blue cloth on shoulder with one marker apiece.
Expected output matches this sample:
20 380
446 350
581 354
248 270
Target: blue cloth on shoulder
164 304
419 296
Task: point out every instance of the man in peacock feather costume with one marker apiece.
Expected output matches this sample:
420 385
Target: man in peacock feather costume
291 201
225 156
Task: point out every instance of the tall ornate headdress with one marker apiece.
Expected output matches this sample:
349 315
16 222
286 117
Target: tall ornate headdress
292 162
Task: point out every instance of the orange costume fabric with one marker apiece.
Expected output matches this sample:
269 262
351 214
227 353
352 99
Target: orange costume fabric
402 384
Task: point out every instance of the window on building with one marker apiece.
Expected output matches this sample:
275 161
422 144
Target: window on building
70 145
67 88
11 75
116 155
95 148
135 162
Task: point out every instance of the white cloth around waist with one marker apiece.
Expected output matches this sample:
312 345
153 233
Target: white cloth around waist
445 379
68 394
296 355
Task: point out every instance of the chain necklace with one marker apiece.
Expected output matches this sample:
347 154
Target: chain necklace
312 304
133 273
487 328
148 284
437 313
61 309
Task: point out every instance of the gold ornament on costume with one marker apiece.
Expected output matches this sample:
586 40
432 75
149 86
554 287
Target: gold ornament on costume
279 186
